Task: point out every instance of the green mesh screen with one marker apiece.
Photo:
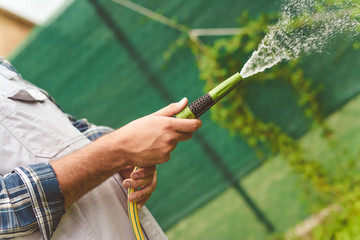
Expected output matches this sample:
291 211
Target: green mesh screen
105 62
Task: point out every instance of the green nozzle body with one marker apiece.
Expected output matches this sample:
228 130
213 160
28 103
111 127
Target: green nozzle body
205 102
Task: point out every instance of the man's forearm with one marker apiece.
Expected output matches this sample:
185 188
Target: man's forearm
85 169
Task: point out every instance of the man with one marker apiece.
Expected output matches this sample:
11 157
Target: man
48 165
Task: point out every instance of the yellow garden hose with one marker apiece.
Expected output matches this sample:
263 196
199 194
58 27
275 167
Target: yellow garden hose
134 216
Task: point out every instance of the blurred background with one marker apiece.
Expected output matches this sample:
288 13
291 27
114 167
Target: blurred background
278 159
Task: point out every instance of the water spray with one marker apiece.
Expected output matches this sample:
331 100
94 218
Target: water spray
192 111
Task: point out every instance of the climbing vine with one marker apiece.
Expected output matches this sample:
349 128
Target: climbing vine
226 56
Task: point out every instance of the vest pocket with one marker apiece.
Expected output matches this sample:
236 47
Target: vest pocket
38 124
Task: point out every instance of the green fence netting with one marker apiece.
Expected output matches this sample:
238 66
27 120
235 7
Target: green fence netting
105 62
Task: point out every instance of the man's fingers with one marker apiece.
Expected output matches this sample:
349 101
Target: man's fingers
143 193
180 137
172 109
186 136
142 202
186 125
143 172
137 183
144 177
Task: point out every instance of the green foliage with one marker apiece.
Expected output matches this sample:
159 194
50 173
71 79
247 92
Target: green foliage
225 57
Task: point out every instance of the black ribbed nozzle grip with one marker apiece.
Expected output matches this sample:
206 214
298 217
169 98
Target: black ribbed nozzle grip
201 105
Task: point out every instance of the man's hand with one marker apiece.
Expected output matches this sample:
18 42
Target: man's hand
145 179
160 144
150 140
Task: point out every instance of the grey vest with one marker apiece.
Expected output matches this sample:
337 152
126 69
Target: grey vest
34 130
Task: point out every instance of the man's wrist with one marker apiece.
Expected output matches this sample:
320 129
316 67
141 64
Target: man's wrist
86 168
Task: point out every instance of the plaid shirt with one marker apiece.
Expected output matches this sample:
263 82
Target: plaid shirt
30 196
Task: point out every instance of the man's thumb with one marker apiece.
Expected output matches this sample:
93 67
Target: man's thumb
172 108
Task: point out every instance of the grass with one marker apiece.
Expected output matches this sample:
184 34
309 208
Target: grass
277 191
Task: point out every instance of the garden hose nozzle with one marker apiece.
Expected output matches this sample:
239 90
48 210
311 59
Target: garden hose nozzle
205 102
192 111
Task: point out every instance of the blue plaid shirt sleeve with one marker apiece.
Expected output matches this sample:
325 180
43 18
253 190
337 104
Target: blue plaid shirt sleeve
30 199
89 130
